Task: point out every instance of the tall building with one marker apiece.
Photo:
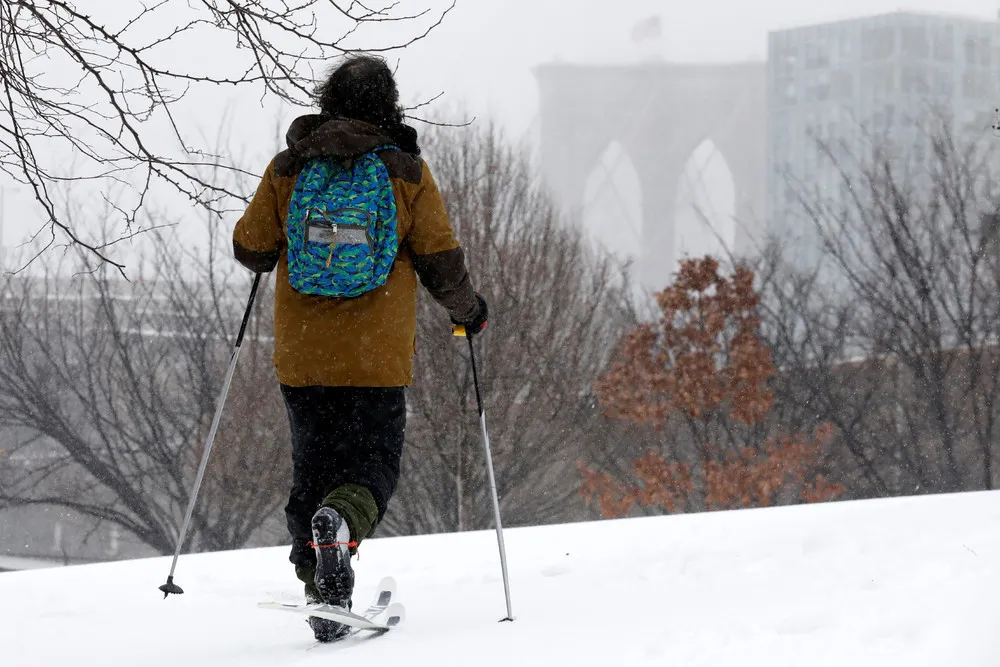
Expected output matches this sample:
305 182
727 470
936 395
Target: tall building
883 73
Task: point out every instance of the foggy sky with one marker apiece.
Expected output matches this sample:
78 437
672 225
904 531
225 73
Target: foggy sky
482 57
499 41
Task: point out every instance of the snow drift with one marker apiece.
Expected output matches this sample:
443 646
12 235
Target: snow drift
910 581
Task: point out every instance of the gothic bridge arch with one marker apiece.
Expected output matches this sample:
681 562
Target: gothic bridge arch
660 113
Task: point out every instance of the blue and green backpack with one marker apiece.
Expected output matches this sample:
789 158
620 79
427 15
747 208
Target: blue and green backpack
341 227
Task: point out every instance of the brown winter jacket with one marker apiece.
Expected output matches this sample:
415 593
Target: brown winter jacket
366 341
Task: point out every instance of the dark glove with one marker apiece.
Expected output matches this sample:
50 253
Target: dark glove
477 322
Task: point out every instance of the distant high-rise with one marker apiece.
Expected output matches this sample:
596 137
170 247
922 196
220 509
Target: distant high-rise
825 81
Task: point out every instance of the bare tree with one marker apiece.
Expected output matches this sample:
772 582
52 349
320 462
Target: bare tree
117 382
810 332
556 310
901 355
94 96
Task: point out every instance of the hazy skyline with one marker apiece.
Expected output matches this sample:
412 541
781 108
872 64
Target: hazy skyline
504 39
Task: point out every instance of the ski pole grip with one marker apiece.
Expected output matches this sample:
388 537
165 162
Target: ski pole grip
458 330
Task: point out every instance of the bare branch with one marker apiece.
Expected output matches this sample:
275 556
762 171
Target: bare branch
117 117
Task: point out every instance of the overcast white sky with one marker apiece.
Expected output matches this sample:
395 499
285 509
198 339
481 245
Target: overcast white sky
482 56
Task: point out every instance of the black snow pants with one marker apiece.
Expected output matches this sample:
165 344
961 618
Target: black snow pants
342 437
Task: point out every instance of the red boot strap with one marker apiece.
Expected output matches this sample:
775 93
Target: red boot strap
313 545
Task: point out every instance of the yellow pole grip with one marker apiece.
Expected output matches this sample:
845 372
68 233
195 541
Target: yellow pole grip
458 330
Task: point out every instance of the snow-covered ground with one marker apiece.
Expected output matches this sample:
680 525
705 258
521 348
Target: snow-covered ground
896 582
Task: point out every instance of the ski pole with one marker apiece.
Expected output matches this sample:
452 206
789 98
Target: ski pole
170 586
461 331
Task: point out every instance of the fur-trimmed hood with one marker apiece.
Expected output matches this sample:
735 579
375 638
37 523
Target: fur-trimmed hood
315 135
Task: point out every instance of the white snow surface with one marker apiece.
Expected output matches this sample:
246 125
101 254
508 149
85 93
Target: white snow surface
908 581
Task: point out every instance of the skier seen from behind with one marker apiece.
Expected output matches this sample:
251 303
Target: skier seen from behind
351 216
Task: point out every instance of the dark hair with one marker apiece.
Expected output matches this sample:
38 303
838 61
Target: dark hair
363 88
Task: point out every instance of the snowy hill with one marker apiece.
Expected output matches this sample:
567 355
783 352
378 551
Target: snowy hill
896 582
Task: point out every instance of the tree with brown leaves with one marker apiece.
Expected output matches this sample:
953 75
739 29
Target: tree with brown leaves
700 375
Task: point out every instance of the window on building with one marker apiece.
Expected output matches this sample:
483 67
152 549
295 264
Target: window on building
884 81
944 83
944 44
914 42
786 67
878 121
842 84
890 113
846 46
823 85
878 43
817 53
867 83
972 84
971 50
786 90
783 56
818 87
913 80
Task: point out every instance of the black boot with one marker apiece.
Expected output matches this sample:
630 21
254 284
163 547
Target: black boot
323 629
334 574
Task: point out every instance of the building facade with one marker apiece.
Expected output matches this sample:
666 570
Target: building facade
881 76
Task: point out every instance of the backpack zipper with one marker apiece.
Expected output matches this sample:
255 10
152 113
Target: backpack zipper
364 228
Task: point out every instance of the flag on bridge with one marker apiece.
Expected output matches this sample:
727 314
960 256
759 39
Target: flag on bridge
647 30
